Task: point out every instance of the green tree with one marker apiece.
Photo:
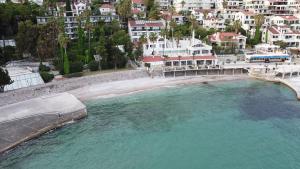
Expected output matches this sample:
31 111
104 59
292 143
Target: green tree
237 26
4 79
124 9
63 42
47 40
173 25
154 12
26 39
153 37
68 8
178 36
281 43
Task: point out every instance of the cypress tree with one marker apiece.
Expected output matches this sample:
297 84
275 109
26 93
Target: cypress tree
68 8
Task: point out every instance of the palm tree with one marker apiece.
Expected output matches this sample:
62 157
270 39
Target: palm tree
153 37
194 22
171 10
63 41
178 36
173 25
164 33
237 26
142 39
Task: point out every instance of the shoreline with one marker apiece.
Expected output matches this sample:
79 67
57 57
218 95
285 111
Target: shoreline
127 87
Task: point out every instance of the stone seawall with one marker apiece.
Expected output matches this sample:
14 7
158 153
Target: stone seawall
67 85
25 120
204 72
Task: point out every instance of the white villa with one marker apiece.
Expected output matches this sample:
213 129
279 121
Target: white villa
184 52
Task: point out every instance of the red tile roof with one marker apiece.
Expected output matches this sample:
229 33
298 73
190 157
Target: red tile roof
273 30
146 23
135 11
224 36
290 18
159 58
107 6
138 1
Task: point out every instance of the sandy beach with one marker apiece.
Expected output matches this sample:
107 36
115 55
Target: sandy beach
125 87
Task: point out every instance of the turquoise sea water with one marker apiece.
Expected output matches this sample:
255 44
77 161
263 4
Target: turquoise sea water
224 125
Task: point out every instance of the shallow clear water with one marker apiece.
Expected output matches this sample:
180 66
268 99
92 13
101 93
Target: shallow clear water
224 125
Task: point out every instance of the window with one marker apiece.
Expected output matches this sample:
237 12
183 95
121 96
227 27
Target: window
205 51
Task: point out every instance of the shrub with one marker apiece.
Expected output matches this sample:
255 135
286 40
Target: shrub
94 66
43 68
47 77
76 66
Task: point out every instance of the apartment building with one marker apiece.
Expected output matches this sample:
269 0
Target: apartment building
281 33
137 28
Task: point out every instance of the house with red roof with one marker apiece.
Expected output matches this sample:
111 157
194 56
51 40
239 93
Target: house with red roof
228 41
282 33
138 9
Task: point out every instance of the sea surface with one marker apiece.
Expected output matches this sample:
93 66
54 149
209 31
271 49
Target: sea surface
220 125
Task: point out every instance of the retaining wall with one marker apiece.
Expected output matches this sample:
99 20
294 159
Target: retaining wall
18 95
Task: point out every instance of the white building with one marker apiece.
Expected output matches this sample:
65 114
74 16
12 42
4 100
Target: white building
281 33
107 9
197 4
201 14
246 19
257 6
79 8
137 28
215 23
179 19
164 4
185 52
71 23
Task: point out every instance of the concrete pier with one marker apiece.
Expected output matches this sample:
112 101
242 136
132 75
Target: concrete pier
25 120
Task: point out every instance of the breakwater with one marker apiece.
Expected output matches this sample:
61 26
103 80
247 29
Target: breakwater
25 120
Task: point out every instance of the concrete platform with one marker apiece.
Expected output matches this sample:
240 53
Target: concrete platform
293 83
25 120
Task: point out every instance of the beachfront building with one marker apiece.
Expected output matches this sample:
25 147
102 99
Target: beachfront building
285 34
185 52
137 28
228 42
